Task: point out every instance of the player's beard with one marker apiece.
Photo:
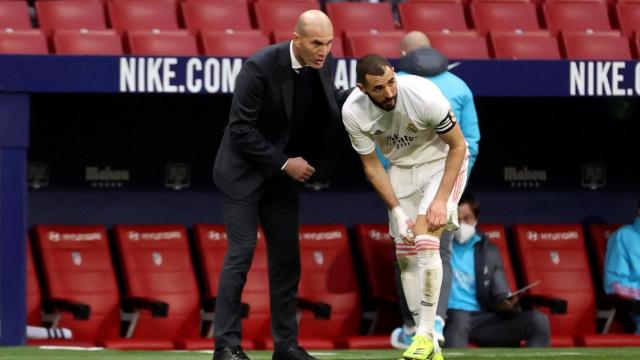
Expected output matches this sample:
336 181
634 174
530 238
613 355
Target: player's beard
387 104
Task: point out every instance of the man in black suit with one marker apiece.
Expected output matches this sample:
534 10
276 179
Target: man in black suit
284 99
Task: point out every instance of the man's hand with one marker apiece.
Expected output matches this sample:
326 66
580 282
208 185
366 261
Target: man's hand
405 225
436 215
508 304
299 169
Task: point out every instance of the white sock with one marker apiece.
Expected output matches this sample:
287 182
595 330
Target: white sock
38 332
430 270
410 277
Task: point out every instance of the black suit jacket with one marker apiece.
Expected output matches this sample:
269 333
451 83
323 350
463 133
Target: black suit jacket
259 122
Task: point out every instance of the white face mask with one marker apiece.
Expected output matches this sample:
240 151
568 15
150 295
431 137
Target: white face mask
464 233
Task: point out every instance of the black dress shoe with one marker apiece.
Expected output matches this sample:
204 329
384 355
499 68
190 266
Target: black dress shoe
230 353
292 353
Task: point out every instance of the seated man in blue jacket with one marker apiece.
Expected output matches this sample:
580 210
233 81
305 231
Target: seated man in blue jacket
622 270
482 309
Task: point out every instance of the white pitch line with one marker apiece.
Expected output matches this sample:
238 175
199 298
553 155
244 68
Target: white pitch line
513 355
78 348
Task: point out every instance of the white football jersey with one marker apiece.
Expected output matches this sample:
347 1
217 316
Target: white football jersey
406 135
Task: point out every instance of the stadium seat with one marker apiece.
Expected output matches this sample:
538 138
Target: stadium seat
461 45
156 267
377 252
628 17
386 44
165 43
100 42
70 15
525 46
432 16
599 236
597 46
143 15
366 17
557 256
280 16
14 15
498 236
337 49
241 43
30 42
79 281
211 245
216 15
504 16
328 292
583 16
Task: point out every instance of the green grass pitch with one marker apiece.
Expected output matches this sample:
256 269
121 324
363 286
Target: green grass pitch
32 353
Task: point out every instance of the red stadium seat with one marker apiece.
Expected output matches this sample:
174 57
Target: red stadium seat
576 17
77 270
629 17
34 296
211 245
101 42
599 236
337 49
464 45
166 43
216 15
14 15
71 15
156 265
241 44
556 255
432 16
143 15
598 46
360 17
328 277
525 46
280 16
377 250
498 237
504 16
30 42
385 44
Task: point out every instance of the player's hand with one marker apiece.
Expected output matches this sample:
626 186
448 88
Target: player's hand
406 226
436 215
299 169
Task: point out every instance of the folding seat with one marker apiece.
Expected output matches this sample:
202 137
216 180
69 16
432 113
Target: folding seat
462 45
30 42
328 293
386 44
628 17
498 236
504 16
281 16
99 42
518 46
337 49
599 236
432 16
211 245
597 46
240 43
557 256
216 15
80 285
377 251
14 15
366 17
585 16
157 269
70 15
165 43
143 15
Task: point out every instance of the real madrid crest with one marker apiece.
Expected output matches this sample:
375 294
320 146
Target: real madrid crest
412 128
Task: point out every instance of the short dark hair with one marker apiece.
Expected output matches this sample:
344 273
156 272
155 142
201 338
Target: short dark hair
468 198
371 64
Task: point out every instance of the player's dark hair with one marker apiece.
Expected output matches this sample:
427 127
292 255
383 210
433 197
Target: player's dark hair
468 198
371 64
